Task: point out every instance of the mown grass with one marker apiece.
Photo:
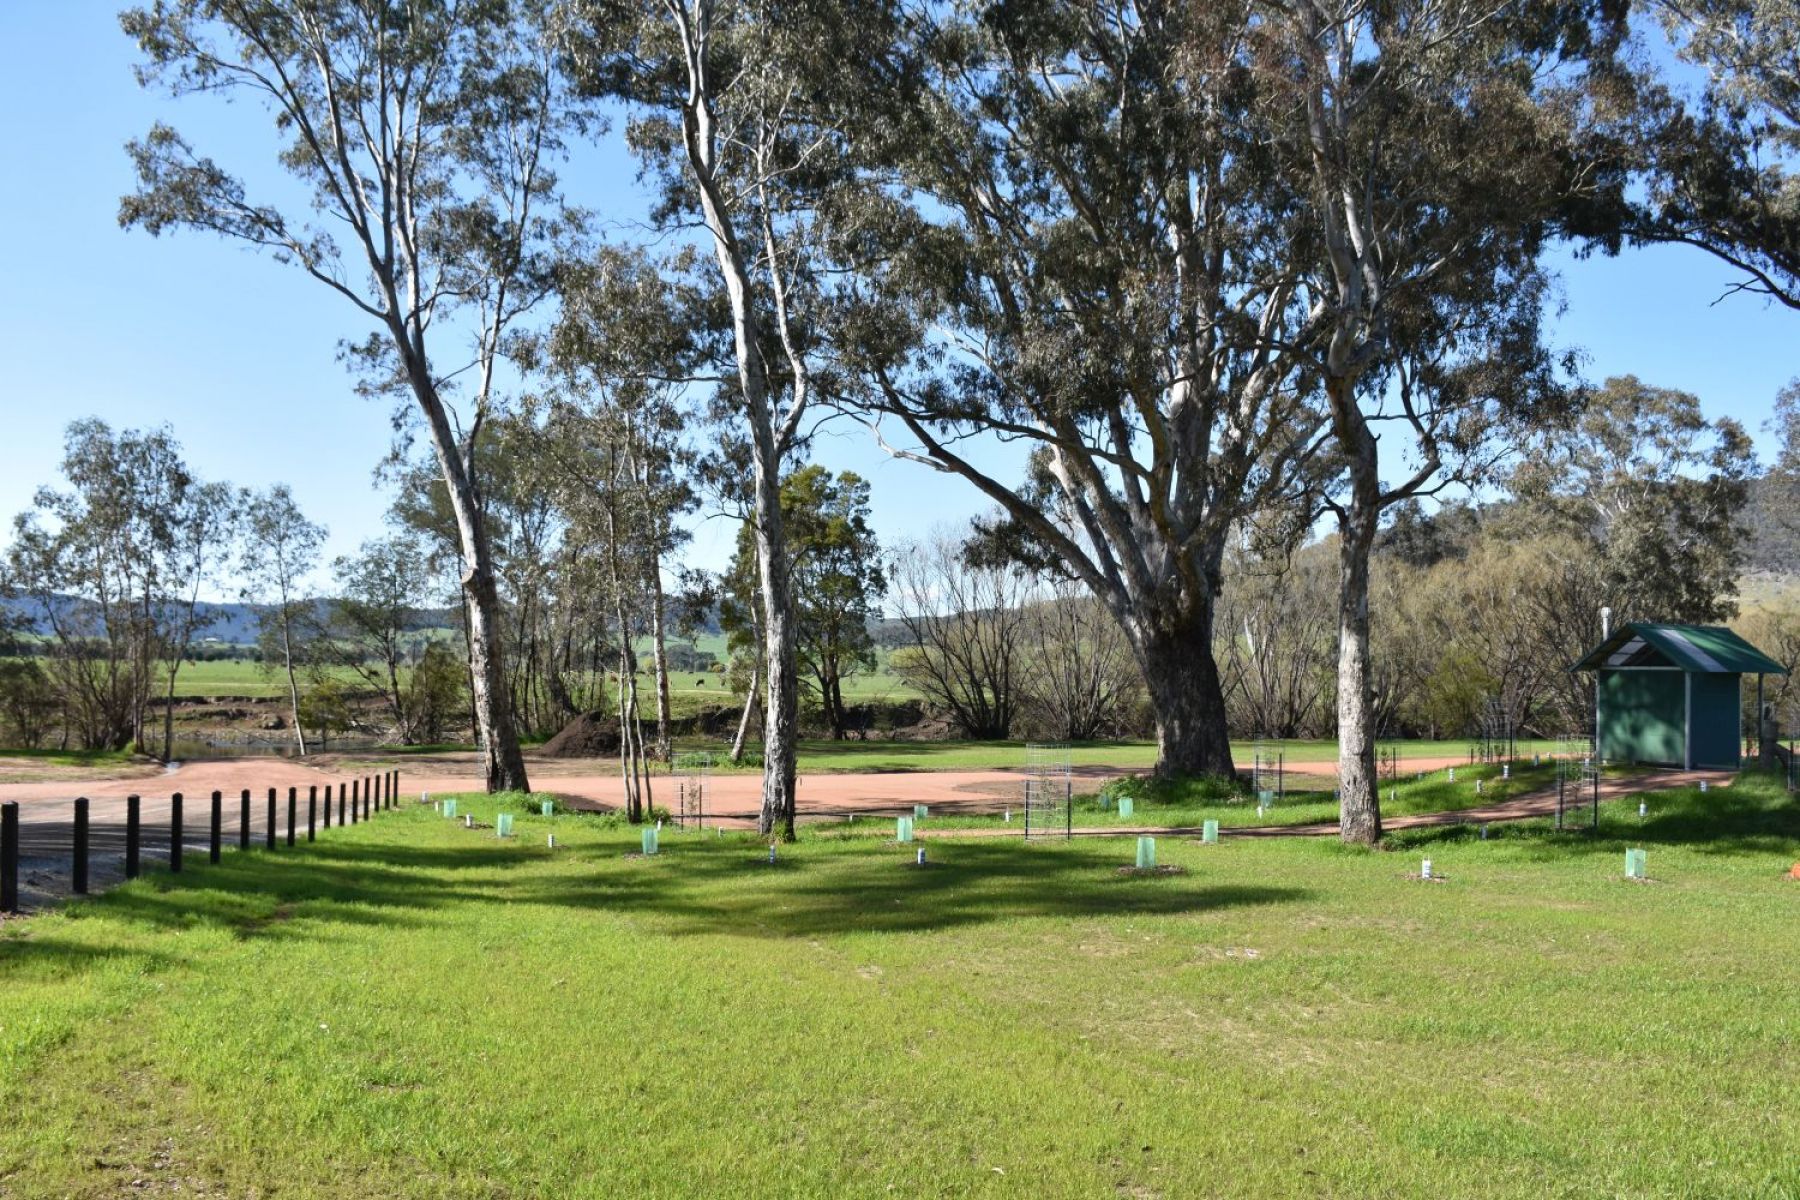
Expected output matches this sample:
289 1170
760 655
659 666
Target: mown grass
67 758
1191 803
820 754
409 1008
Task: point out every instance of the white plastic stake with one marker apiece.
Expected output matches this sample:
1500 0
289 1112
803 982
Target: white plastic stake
468 820
1643 809
1452 774
1425 869
1703 785
921 858
553 841
771 851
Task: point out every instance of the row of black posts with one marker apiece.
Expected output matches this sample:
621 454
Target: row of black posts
355 800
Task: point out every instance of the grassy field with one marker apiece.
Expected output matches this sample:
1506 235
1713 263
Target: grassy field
825 755
1191 803
413 1009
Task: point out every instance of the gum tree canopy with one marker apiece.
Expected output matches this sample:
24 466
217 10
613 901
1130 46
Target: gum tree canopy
423 136
1104 261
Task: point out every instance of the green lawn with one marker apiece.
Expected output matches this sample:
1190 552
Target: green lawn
67 758
1191 803
413 1009
825 755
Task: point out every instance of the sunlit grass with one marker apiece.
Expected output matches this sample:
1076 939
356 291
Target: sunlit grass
411 1008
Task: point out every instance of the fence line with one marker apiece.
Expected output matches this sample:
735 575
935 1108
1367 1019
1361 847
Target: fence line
361 798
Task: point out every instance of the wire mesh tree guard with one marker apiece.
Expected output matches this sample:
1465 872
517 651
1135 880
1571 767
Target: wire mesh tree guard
692 776
1049 790
1268 773
1577 782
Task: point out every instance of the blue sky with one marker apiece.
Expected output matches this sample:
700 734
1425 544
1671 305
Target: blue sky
239 355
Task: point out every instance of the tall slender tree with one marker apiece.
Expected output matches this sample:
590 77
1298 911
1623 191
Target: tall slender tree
738 110
425 134
281 548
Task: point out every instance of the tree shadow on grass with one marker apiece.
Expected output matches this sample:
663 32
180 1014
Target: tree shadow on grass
1752 817
865 891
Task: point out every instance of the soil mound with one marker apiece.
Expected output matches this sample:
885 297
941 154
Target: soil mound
591 735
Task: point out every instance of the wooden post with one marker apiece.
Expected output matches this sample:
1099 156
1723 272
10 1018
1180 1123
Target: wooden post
9 856
312 810
132 833
293 798
244 820
79 882
175 832
269 833
218 826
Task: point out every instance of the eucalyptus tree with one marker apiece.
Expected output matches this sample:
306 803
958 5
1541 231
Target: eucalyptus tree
1105 266
1655 491
839 578
1722 171
626 362
424 137
204 525
383 587
738 113
115 564
281 548
1439 144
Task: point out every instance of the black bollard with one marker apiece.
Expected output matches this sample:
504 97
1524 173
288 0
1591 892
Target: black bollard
132 834
79 883
343 795
244 820
328 806
175 832
9 856
270 833
355 800
312 810
218 826
293 798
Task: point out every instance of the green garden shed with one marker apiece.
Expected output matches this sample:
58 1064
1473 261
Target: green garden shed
1672 695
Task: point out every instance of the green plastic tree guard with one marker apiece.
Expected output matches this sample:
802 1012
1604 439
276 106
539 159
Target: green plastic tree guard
1636 864
1146 856
1209 833
547 808
1125 806
503 825
650 840
903 830
449 808
920 812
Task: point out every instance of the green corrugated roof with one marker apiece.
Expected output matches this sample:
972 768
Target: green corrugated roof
1711 649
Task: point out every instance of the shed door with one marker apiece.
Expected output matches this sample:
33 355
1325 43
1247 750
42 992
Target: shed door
1717 719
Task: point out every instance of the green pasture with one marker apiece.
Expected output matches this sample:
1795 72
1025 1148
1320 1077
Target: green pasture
413 1009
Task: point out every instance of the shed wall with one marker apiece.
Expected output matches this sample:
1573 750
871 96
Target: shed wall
1643 716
